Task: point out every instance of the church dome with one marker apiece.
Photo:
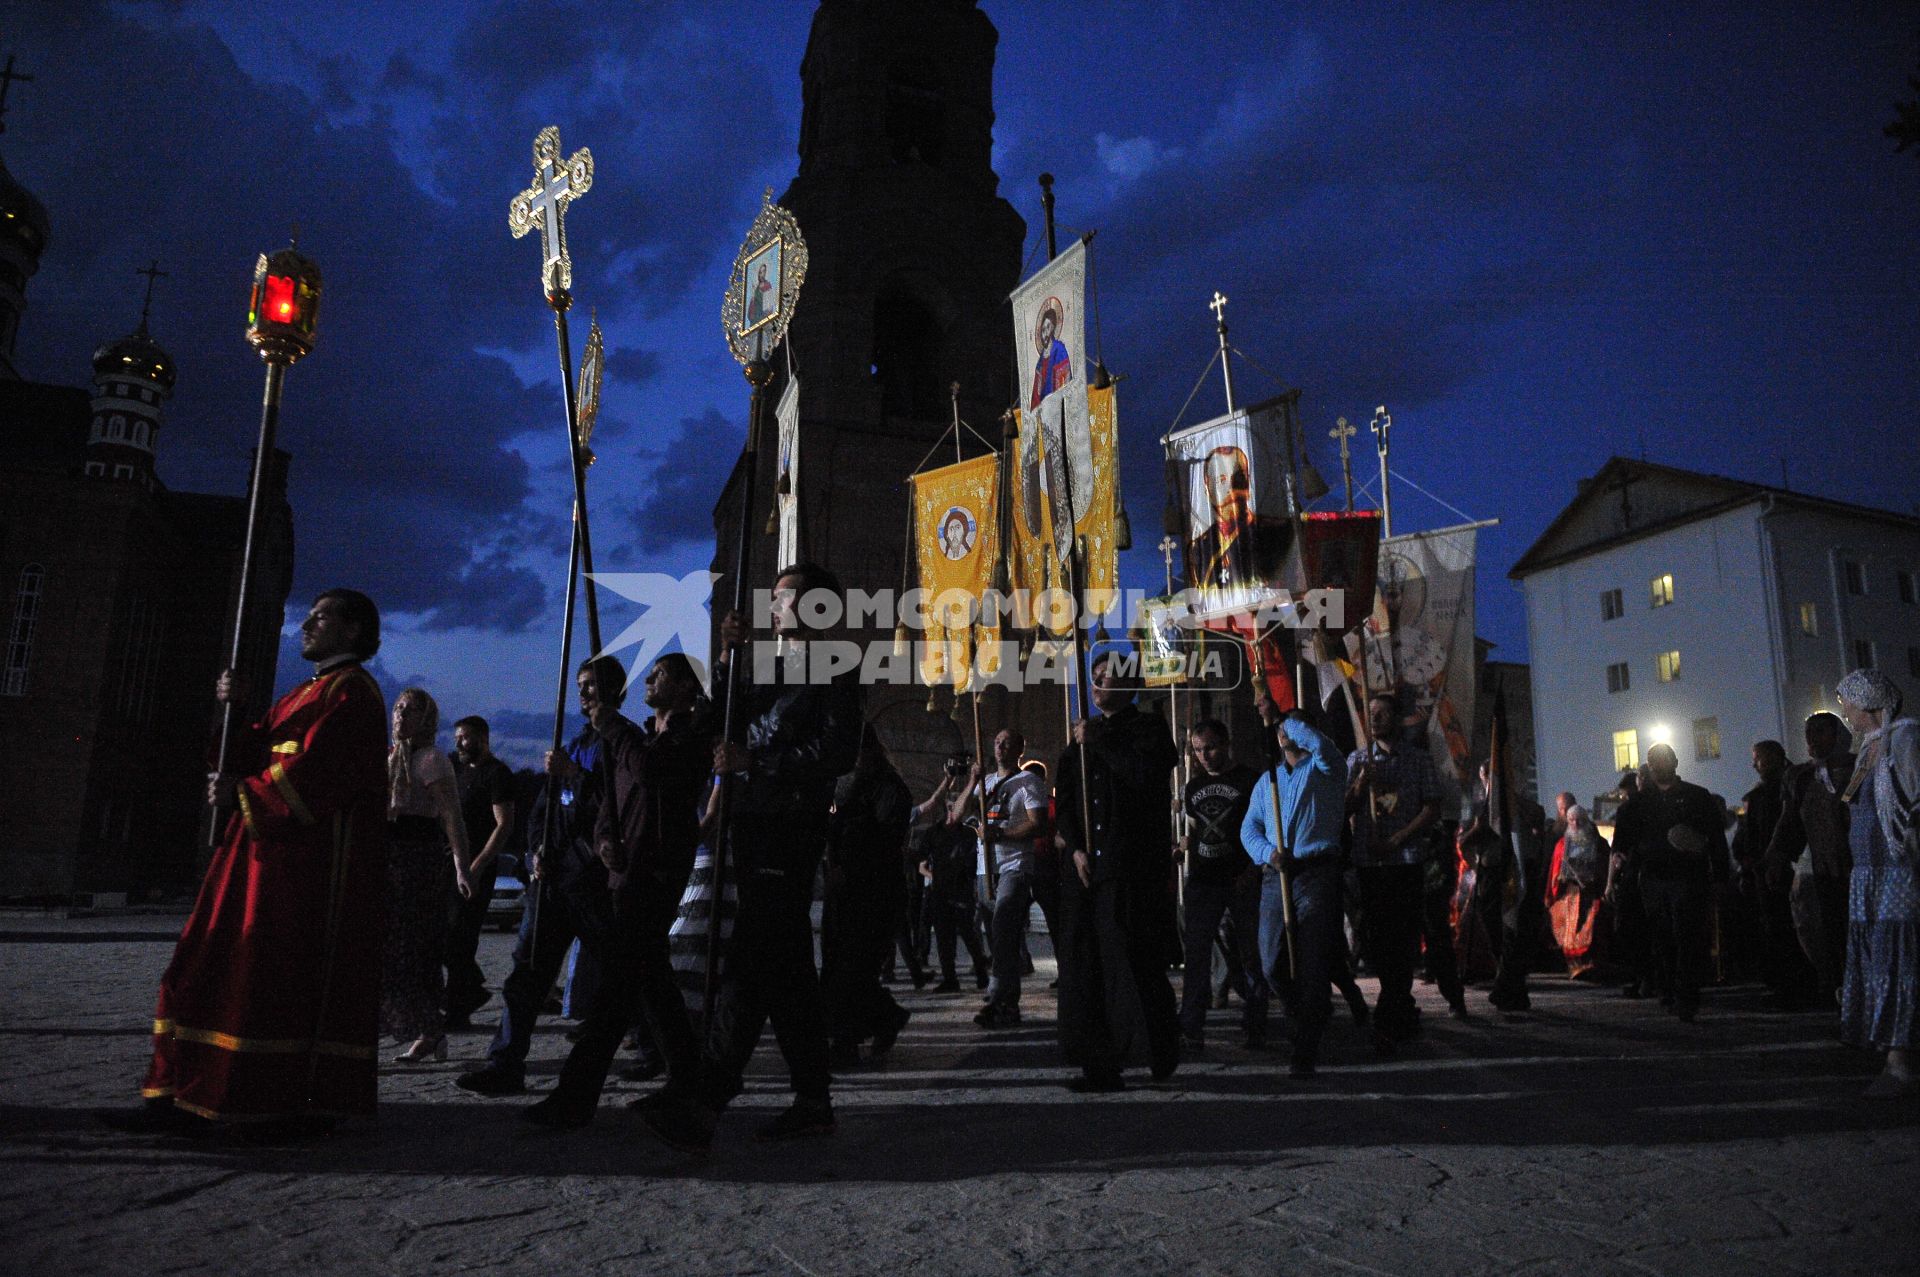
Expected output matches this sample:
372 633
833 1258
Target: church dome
22 216
136 355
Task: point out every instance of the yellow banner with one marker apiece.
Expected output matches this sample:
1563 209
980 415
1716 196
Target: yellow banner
956 537
1089 470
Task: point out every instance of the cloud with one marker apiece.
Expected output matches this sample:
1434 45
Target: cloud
688 473
1133 157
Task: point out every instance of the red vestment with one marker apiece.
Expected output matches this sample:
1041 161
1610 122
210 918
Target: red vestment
270 1006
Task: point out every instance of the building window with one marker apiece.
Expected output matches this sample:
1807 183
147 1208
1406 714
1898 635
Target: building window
1618 677
140 433
1855 576
1809 619
1611 607
123 472
1626 750
99 429
1863 654
1668 665
1706 739
1909 592
1913 662
117 427
26 616
97 468
1661 587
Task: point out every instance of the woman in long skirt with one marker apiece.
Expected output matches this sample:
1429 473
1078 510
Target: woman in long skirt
426 859
1880 994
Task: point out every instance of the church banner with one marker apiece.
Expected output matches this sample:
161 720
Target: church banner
956 541
1034 563
1231 471
787 486
1419 642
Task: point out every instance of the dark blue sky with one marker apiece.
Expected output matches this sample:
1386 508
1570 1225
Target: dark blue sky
1540 239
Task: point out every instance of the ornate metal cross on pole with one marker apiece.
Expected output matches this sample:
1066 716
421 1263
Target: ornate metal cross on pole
152 271
544 204
1166 547
1219 308
1382 423
7 77
1343 432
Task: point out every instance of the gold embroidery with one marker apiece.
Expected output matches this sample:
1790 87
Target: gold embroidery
278 775
287 747
260 1046
246 813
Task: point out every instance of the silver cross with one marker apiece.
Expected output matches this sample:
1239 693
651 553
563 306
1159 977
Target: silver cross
544 204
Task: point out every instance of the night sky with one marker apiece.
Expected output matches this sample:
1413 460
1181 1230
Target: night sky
1672 229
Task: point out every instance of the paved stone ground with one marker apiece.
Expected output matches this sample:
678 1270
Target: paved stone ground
1592 1136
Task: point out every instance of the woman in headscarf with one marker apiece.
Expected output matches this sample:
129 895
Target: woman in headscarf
426 858
1576 883
1880 994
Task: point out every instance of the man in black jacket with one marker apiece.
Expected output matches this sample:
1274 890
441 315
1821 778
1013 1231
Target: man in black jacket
795 739
1116 1004
1674 834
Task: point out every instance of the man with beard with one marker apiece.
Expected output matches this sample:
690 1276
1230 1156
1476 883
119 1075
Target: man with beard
1815 820
569 880
644 836
798 736
1674 834
1116 1004
267 1017
486 808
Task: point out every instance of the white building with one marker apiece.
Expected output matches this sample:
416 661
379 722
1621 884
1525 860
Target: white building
1709 613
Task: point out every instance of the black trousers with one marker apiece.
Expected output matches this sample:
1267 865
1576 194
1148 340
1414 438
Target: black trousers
548 927
1212 900
1782 963
1390 907
1630 951
636 987
1116 1004
956 919
1439 877
768 975
1676 911
857 928
466 918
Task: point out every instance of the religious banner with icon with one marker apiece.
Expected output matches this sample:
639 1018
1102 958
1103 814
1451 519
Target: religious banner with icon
1419 642
786 489
765 285
1338 550
956 541
1231 471
1170 650
1034 563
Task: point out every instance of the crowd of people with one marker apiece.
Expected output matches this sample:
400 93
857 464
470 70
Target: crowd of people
349 839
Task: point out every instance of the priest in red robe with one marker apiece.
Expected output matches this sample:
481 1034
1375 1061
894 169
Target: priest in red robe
268 1013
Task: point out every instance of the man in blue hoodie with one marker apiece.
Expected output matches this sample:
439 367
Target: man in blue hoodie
1298 849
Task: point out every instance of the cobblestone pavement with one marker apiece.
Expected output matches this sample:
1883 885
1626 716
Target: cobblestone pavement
1591 1136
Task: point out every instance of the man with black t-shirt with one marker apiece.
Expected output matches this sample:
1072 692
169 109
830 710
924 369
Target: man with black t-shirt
486 807
1220 881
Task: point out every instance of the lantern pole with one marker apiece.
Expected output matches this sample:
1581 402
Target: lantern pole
281 339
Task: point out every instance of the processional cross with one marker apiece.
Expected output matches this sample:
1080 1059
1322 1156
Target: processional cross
152 271
544 204
1382 423
7 76
1343 432
1167 546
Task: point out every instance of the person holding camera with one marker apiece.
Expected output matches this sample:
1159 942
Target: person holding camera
948 856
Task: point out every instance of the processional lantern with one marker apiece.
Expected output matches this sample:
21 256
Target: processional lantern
285 306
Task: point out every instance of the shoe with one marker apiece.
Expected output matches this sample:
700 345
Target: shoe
1510 1002
1097 1084
1633 990
802 1119
884 1039
558 1113
981 980
1890 1086
1458 1010
1303 1063
678 1124
1362 1013
1164 1068
948 985
492 1080
423 1049
921 978
997 1017
155 1117
1026 964
643 1071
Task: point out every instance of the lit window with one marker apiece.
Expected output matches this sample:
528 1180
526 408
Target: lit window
1618 677
1661 588
1626 750
1855 575
1668 665
26 616
1809 619
1863 654
1706 739
1611 608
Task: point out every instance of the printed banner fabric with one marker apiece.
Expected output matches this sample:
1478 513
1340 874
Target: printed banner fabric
1232 473
956 541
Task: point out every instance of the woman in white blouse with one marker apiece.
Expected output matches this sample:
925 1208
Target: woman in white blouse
426 857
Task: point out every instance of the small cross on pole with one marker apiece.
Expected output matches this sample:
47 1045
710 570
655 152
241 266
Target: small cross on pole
152 271
1343 432
1382 423
1167 546
1219 308
544 204
7 76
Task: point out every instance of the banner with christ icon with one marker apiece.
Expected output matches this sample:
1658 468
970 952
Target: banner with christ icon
1231 471
956 542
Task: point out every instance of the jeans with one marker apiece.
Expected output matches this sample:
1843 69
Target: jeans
769 975
635 986
1210 898
547 930
1389 934
1012 907
1305 987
